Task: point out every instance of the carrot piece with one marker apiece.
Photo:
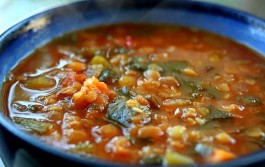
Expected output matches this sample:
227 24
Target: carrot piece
219 155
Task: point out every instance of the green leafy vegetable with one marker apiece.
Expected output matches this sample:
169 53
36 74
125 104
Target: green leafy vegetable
171 67
119 112
108 76
124 91
249 100
138 63
34 125
218 114
152 160
214 93
174 68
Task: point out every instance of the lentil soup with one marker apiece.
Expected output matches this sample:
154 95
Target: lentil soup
142 94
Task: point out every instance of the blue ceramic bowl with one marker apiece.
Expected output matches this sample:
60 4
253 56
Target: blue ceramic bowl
19 149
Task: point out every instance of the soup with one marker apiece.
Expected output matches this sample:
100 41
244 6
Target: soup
142 94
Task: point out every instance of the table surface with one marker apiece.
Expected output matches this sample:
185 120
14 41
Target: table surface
17 10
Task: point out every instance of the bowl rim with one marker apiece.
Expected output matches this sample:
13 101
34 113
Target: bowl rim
193 5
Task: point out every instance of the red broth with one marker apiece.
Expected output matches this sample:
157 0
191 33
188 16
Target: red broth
142 94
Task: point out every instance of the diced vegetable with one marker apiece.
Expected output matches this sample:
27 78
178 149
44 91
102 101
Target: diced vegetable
178 96
173 158
219 155
213 155
39 127
127 81
100 60
152 160
223 137
255 132
176 132
203 111
40 83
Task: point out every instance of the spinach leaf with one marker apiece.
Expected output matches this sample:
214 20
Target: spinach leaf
174 68
188 84
109 76
124 91
171 67
218 114
214 93
119 112
249 100
138 63
34 125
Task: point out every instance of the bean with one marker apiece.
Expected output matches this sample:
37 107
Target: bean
109 131
150 132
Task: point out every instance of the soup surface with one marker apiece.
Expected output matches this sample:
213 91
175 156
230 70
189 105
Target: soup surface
142 93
